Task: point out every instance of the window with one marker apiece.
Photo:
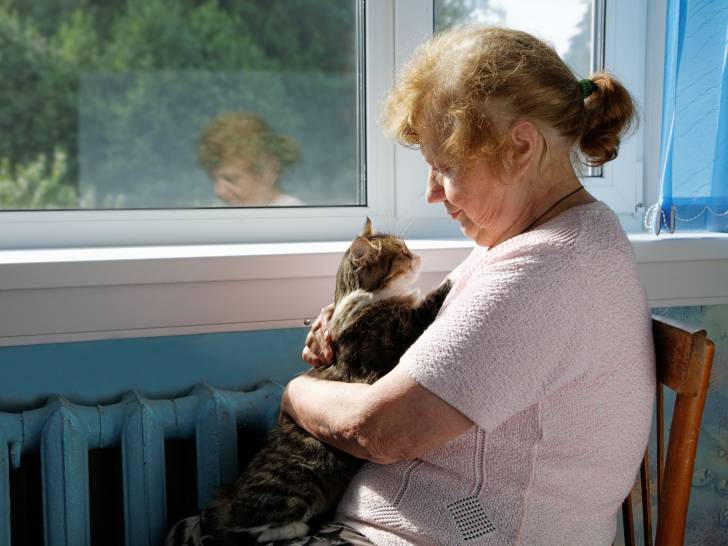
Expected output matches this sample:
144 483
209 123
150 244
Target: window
116 116
65 294
158 104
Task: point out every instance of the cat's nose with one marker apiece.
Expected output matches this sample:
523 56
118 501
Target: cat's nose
416 261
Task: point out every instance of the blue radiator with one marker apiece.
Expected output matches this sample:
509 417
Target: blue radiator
64 433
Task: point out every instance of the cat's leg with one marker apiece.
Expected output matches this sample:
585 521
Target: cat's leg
294 529
430 305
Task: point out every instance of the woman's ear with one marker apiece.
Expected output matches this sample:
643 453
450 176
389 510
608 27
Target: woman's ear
525 137
270 171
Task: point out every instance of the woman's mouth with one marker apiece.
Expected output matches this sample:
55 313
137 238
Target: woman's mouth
454 215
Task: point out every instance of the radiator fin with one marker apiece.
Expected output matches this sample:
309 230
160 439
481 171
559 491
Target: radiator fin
64 467
4 489
142 454
217 446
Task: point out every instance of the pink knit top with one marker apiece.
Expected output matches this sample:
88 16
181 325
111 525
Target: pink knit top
545 343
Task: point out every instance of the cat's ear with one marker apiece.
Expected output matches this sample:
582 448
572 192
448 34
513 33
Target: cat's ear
360 250
368 229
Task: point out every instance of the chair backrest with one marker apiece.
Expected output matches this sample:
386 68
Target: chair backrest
684 357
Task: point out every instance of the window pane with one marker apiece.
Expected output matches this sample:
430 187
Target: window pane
127 104
565 24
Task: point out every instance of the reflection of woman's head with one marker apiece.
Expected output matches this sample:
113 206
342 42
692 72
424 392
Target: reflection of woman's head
244 156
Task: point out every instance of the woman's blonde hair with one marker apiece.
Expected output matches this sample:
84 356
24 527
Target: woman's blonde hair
246 136
457 83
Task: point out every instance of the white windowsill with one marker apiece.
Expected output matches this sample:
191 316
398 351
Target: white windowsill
61 295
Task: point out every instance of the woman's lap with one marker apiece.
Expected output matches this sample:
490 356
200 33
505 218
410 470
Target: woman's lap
187 532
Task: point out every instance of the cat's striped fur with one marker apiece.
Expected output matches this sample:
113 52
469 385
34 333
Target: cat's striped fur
295 477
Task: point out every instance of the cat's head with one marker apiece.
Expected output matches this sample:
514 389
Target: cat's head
378 263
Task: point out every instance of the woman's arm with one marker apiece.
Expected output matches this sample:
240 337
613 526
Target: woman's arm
393 419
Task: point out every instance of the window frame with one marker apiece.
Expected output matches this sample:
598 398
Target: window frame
395 176
191 286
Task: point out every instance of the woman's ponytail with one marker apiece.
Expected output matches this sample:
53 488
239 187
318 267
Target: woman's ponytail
609 112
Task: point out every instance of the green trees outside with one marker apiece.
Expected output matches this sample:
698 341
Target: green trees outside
107 98
460 12
579 54
102 102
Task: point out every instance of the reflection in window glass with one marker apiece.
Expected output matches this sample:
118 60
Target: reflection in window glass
565 24
179 103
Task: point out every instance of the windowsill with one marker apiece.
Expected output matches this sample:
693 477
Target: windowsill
61 295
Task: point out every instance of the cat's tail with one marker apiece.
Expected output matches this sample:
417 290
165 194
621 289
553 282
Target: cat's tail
215 518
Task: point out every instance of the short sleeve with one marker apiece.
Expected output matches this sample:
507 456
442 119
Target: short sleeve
503 343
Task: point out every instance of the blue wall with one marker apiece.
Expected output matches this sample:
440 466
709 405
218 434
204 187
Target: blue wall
95 372
100 371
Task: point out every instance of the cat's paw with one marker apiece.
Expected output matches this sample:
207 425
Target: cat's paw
296 529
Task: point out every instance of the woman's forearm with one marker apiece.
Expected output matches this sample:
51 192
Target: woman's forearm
388 421
333 412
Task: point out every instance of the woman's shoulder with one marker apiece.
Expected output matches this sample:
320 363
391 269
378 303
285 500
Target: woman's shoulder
285 200
581 250
574 234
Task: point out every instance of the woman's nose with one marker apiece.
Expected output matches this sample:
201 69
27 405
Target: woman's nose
435 193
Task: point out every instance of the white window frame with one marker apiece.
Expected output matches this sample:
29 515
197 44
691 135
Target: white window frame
190 285
101 228
395 176
625 26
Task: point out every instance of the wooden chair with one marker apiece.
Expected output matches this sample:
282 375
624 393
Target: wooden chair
684 358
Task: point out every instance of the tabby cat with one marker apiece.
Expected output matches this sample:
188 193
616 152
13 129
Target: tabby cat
295 477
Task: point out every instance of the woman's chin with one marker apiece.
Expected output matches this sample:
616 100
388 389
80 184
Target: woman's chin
476 234
468 228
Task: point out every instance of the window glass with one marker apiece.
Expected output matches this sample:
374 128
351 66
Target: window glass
128 104
565 24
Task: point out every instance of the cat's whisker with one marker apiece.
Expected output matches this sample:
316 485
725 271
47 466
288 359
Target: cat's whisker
405 228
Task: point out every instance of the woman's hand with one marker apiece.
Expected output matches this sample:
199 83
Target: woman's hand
318 351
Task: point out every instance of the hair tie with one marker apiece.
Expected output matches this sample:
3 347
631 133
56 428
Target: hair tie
587 87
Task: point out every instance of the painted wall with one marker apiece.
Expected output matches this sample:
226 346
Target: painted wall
96 372
99 371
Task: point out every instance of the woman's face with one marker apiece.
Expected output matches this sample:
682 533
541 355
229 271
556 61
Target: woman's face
474 196
490 205
238 184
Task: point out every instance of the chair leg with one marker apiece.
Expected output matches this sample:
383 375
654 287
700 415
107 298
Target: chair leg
646 500
628 521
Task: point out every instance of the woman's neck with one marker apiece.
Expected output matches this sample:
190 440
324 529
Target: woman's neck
546 198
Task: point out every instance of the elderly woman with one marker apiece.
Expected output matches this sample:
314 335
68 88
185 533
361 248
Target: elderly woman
520 416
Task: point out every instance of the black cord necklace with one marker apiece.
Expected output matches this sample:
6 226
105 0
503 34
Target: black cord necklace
552 207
